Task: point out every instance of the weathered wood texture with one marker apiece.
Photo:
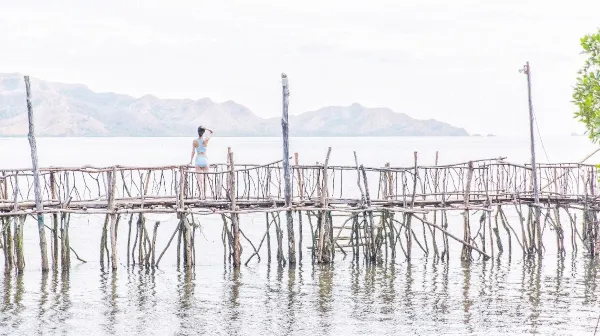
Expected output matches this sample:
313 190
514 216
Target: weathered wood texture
286 172
84 190
36 182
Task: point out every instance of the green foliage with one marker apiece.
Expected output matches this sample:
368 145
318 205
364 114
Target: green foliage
586 94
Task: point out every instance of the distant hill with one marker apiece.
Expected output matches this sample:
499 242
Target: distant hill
74 110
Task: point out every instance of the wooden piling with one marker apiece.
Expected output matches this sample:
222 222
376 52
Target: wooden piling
36 178
141 229
286 173
184 223
235 224
113 217
8 244
301 193
54 224
129 238
65 255
103 238
154 243
18 243
369 219
323 219
187 234
466 251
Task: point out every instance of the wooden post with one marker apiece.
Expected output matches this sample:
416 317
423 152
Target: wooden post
8 245
154 243
187 234
536 197
18 243
235 224
103 238
65 219
369 219
301 193
466 252
286 173
54 224
323 213
113 216
300 176
36 178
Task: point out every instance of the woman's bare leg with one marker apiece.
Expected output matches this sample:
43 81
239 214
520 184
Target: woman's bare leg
200 181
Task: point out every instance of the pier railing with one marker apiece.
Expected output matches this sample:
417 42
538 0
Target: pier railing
458 185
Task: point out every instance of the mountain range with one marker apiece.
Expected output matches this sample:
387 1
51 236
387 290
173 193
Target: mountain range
75 110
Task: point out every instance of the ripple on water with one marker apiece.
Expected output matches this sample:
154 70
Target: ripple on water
420 297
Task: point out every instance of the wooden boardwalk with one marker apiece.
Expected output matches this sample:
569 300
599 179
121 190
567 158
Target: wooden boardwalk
474 185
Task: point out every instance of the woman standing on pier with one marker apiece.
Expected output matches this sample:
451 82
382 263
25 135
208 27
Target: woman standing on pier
199 148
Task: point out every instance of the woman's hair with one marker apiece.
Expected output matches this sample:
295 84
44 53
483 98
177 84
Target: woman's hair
201 131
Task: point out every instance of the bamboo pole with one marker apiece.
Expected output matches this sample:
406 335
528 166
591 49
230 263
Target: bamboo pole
36 178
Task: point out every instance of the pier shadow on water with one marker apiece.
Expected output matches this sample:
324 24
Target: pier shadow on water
499 296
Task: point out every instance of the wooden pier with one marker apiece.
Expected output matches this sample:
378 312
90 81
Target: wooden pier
382 207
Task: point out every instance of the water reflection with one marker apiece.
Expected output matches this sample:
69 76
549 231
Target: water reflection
529 296
324 277
108 288
185 297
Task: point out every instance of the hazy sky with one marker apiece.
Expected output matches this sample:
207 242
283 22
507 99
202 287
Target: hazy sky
455 61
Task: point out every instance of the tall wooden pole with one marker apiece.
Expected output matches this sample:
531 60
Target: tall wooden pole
235 221
536 196
113 217
286 172
36 178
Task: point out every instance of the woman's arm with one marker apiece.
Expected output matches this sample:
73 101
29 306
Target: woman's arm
208 136
194 145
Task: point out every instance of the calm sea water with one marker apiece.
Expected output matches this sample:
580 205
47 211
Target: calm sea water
507 295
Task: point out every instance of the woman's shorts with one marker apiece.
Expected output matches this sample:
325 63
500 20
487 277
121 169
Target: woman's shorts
201 161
